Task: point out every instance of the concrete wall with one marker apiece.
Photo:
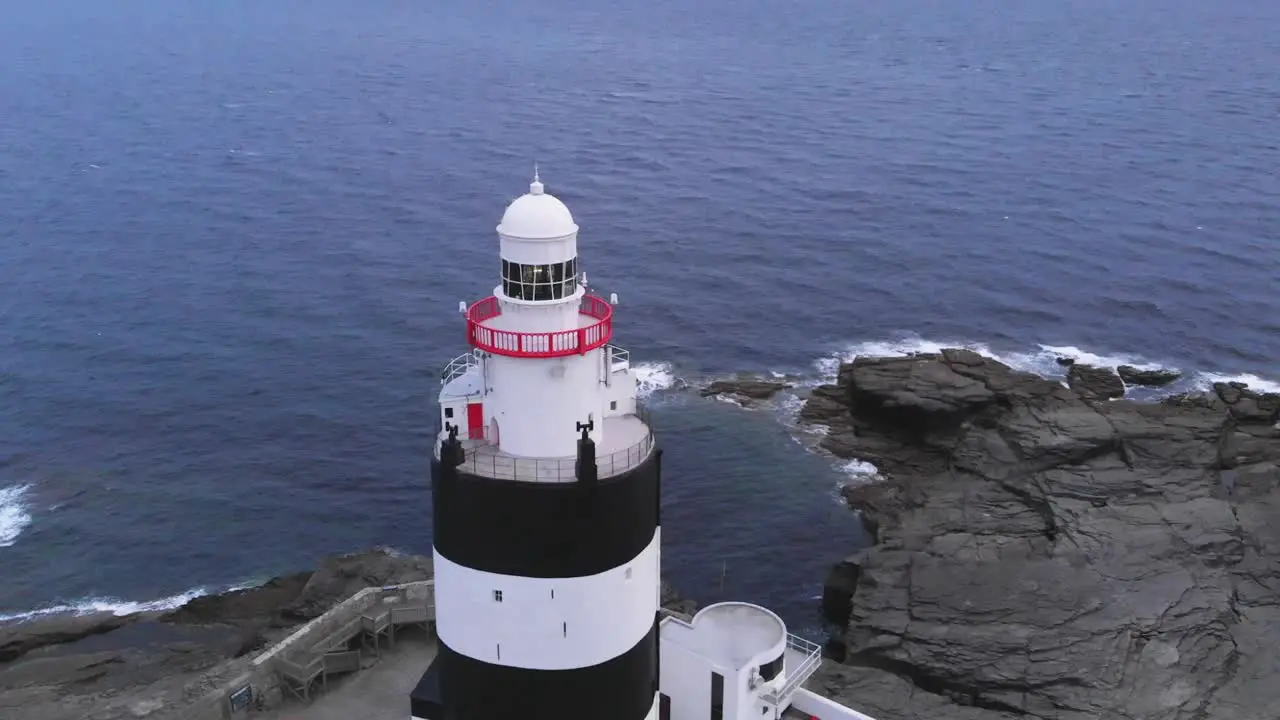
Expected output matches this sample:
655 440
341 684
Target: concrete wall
261 675
816 706
687 681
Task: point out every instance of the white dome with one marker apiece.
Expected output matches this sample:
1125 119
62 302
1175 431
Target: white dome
537 216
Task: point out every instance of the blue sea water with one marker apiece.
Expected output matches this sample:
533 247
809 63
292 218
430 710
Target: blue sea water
234 234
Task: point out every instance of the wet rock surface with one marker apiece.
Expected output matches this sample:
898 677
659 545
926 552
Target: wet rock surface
104 666
1095 383
1048 553
746 389
1148 378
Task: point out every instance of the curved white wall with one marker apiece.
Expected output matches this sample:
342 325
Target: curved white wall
547 623
537 403
538 252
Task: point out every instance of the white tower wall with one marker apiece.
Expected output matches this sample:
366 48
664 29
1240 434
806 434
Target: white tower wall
537 316
548 623
537 403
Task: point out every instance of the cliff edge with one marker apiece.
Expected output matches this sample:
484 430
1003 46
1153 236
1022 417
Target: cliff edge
1047 552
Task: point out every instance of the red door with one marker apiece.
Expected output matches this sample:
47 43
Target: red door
475 421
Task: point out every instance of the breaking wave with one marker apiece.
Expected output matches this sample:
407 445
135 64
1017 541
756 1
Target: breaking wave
15 514
654 377
1043 361
115 606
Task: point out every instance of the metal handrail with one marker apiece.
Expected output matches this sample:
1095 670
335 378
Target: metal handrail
459 366
618 355
796 676
510 467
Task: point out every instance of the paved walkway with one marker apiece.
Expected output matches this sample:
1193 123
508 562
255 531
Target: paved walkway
377 693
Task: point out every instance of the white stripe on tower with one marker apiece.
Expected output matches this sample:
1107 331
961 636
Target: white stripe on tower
547 623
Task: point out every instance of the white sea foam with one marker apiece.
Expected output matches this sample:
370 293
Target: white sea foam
829 365
860 472
15 513
1041 361
654 377
1205 381
116 606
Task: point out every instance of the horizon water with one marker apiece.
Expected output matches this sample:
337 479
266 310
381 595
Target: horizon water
233 238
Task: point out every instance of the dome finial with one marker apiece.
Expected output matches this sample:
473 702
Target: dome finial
535 187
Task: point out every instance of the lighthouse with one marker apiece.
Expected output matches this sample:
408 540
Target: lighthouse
545 483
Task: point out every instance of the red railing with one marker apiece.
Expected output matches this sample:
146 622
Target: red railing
540 344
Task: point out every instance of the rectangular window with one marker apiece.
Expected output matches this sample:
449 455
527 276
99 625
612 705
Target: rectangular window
628 573
613 404
717 696
448 412
664 707
497 596
564 626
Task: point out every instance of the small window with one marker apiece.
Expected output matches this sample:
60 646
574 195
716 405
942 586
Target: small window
613 405
564 626
770 670
628 573
497 596
553 593
448 412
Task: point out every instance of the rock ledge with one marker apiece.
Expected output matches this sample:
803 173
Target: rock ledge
1048 553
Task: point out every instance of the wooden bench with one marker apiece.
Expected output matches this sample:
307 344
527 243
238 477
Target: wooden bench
373 628
411 615
336 663
299 677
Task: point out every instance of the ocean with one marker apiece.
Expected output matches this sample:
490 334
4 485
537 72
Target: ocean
234 236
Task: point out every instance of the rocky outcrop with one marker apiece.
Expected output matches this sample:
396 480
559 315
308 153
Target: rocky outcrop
19 639
748 389
341 576
1149 378
1095 383
670 599
1043 553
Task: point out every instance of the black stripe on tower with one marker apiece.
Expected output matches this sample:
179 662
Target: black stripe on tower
544 530
470 689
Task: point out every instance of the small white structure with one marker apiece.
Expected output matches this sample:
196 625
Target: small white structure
733 661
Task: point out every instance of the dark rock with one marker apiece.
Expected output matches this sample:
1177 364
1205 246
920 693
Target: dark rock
1095 383
672 600
914 396
20 638
747 389
264 603
1147 378
1043 555
837 591
341 576
1249 406
826 404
